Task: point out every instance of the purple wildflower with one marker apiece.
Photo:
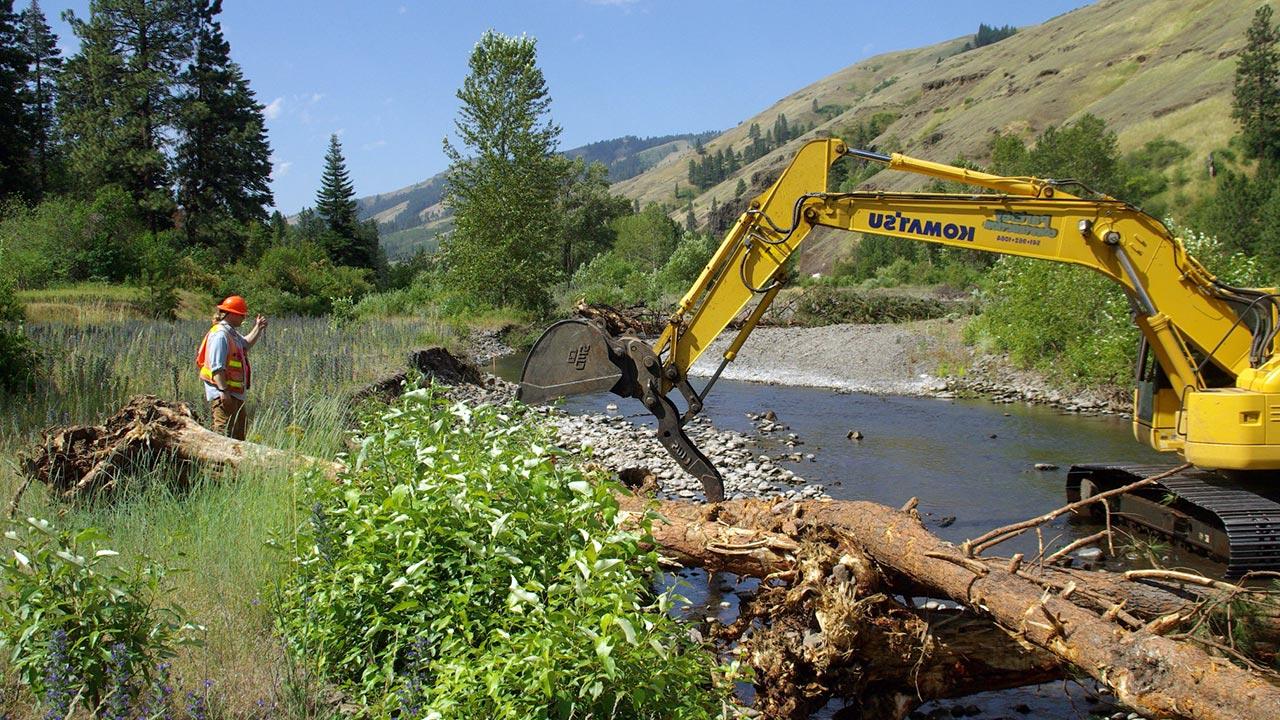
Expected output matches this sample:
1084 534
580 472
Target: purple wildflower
120 700
198 704
159 705
59 678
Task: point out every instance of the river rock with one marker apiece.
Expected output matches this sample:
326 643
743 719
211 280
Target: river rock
1045 467
854 435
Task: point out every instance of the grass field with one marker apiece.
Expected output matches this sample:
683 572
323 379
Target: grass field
219 532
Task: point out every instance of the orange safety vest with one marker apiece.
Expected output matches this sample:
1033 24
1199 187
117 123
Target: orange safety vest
237 373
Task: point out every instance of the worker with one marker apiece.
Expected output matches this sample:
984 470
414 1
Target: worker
224 365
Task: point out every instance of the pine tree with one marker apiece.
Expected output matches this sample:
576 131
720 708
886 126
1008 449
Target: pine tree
222 163
740 189
15 141
118 99
1256 102
44 59
346 240
504 249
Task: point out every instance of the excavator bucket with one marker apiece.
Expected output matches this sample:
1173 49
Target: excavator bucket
571 358
574 357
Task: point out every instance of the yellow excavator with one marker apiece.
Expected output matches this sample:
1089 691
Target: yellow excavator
1207 376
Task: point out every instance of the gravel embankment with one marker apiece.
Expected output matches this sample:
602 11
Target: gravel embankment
618 444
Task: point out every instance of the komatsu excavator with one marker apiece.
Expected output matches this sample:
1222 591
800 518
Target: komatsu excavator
1207 377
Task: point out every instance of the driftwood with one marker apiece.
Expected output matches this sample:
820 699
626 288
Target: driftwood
833 615
84 462
1157 676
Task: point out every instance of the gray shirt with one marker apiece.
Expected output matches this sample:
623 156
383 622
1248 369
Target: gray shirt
215 356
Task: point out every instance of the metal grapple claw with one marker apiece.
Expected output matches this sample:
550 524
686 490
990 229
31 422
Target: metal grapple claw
575 357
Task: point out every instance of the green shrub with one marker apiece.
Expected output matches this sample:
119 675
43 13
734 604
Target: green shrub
828 306
1058 317
687 262
74 621
466 567
295 278
611 279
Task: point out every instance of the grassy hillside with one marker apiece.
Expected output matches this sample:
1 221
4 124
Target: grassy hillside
1149 68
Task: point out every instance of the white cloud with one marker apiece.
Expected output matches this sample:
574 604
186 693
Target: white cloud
280 169
316 97
403 9
274 108
374 145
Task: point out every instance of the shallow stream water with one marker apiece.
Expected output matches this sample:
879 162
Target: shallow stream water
971 464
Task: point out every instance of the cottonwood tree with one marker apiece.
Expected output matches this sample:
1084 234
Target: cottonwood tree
587 212
504 180
223 161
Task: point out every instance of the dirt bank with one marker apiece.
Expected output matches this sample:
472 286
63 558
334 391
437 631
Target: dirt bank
927 357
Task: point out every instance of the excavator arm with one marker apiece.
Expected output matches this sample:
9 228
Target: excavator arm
1213 344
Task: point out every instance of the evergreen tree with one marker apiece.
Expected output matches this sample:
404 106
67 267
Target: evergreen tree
505 248
1256 101
118 99
347 240
740 188
222 163
40 45
15 141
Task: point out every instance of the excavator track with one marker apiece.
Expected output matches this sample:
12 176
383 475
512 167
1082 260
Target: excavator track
1201 509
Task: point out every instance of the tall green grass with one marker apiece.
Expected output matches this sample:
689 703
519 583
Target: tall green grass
219 531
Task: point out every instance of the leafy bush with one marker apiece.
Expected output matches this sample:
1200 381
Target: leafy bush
1060 317
19 356
687 262
295 278
1076 321
611 279
827 306
464 564
73 621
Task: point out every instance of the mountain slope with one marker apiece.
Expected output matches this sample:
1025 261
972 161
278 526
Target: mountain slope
410 217
1149 68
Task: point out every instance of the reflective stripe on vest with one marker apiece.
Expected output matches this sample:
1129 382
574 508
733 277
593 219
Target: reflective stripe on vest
237 372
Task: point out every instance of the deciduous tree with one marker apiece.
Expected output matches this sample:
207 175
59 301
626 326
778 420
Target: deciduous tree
505 179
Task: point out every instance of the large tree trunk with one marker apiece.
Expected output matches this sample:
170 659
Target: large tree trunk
1154 675
87 461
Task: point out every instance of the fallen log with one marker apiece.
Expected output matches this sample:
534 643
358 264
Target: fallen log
1157 676
86 462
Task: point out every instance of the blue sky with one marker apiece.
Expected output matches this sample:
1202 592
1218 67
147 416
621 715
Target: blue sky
383 73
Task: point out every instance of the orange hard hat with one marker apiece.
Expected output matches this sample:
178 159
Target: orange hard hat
235 304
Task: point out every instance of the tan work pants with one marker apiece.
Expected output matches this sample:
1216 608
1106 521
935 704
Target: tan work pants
228 416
